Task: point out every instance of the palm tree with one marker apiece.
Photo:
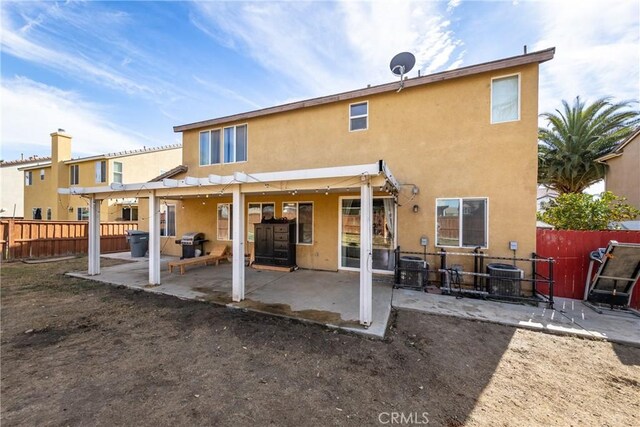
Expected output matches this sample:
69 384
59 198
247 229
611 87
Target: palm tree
575 138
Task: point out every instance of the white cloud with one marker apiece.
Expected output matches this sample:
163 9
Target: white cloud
344 46
31 111
597 51
17 42
226 92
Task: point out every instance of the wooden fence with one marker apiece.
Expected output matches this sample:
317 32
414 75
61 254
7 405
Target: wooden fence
39 239
571 251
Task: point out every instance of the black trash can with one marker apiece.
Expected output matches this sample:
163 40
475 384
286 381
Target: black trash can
504 279
139 242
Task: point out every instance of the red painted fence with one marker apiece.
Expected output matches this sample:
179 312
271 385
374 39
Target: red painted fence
571 251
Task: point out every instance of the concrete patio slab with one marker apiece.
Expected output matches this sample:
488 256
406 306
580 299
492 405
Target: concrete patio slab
332 299
328 298
570 317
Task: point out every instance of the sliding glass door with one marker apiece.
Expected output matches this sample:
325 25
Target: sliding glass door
383 232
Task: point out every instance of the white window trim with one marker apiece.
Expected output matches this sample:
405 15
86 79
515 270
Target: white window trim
221 129
460 200
102 177
221 153
80 209
359 116
71 168
247 216
41 174
166 219
395 232
228 224
491 98
28 178
121 173
313 221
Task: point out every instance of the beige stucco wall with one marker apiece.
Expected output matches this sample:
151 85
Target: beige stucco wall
623 173
38 195
437 136
136 168
200 214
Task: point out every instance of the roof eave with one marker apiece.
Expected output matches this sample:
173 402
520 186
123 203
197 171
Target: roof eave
530 58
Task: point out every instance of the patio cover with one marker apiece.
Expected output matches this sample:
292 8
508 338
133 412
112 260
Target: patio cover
365 176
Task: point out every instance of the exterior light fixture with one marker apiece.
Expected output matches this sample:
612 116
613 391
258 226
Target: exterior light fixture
416 208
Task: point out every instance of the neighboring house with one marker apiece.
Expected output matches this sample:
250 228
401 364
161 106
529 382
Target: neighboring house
12 184
452 157
545 195
623 169
40 182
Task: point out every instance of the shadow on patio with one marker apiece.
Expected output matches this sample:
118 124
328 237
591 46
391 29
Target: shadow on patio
328 298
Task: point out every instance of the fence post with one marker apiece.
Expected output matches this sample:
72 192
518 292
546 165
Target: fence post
443 265
396 272
11 239
551 261
534 273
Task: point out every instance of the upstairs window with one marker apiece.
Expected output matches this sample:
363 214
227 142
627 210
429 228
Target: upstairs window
505 99
28 178
117 172
228 145
49 214
462 222
235 144
74 175
358 116
41 174
210 147
101 171
36 213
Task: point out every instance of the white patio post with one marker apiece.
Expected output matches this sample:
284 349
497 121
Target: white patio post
237 293
94 236
154 240
366 252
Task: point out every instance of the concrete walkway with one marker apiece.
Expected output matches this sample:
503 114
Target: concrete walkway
570 317
328 298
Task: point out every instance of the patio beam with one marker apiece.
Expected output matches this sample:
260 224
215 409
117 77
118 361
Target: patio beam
366 252
237 292
154 240
212 181
94 237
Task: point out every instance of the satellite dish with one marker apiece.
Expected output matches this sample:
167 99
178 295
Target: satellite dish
401 64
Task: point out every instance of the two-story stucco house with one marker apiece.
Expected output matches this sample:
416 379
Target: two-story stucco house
451 157
41 181
11 184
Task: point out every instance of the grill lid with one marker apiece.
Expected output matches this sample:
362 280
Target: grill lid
191 237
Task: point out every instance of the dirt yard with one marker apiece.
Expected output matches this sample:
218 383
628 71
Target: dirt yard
79 353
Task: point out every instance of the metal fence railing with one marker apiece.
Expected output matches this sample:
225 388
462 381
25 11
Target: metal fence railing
524 280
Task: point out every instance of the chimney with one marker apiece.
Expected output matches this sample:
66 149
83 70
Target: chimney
60 147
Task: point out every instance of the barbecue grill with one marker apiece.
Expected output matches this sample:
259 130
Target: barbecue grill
190 242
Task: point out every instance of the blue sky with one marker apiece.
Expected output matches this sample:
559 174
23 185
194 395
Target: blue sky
120 75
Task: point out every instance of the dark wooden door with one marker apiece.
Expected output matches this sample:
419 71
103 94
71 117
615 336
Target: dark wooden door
264 240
